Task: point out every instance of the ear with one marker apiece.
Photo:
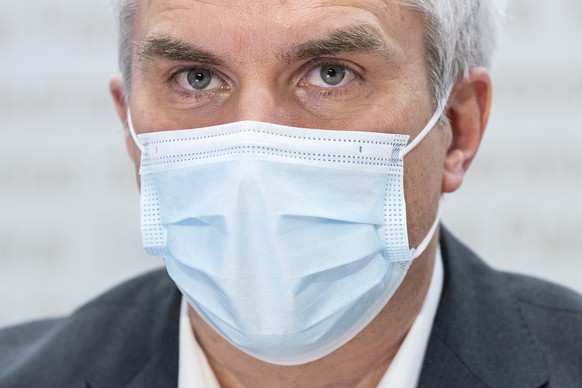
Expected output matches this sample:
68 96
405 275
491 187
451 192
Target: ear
468 112
116 90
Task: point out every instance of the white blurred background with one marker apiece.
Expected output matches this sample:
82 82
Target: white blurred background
69 222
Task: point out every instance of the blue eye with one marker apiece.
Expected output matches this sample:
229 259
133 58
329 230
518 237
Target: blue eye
199 79
329 76
332 75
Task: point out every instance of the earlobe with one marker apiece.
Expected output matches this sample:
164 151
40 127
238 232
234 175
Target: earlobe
468 112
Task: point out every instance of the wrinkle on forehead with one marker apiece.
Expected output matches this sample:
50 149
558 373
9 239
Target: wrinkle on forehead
385 19
376 7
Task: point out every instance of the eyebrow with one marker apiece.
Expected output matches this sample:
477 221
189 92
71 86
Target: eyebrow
166 47
357 38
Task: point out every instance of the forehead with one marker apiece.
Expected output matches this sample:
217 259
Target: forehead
263 19
271 8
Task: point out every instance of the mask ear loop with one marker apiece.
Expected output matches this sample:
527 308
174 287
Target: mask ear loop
426 130
132 132
424 243
415 252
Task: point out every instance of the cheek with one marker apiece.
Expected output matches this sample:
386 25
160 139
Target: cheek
135 156
422 183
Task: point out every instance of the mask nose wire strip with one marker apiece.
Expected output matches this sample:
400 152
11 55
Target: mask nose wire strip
422 246
132 132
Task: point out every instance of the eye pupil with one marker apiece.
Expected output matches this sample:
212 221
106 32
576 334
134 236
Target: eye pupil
200 78
333 74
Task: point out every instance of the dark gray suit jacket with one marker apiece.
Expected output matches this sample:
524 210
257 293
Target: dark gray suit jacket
492 329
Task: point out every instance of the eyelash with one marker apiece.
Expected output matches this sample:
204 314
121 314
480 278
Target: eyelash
172 80
305 70
329 92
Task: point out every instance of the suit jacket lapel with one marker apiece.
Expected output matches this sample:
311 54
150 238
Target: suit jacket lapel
146 354
479 337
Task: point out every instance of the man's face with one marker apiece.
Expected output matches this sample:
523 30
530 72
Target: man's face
327 64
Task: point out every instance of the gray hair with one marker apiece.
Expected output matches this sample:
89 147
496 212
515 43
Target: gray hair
126 10
459 35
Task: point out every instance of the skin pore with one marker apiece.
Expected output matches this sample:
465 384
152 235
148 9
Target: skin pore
202 63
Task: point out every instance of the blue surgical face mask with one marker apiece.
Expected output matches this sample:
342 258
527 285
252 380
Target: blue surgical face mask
286 241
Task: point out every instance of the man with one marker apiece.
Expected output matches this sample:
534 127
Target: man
291 158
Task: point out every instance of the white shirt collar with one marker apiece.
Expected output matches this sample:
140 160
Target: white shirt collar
407 365
195 371
193 368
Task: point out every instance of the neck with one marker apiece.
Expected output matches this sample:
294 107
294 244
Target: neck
349 366
361 362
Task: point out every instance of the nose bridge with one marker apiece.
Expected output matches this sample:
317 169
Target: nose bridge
258 101
261 89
